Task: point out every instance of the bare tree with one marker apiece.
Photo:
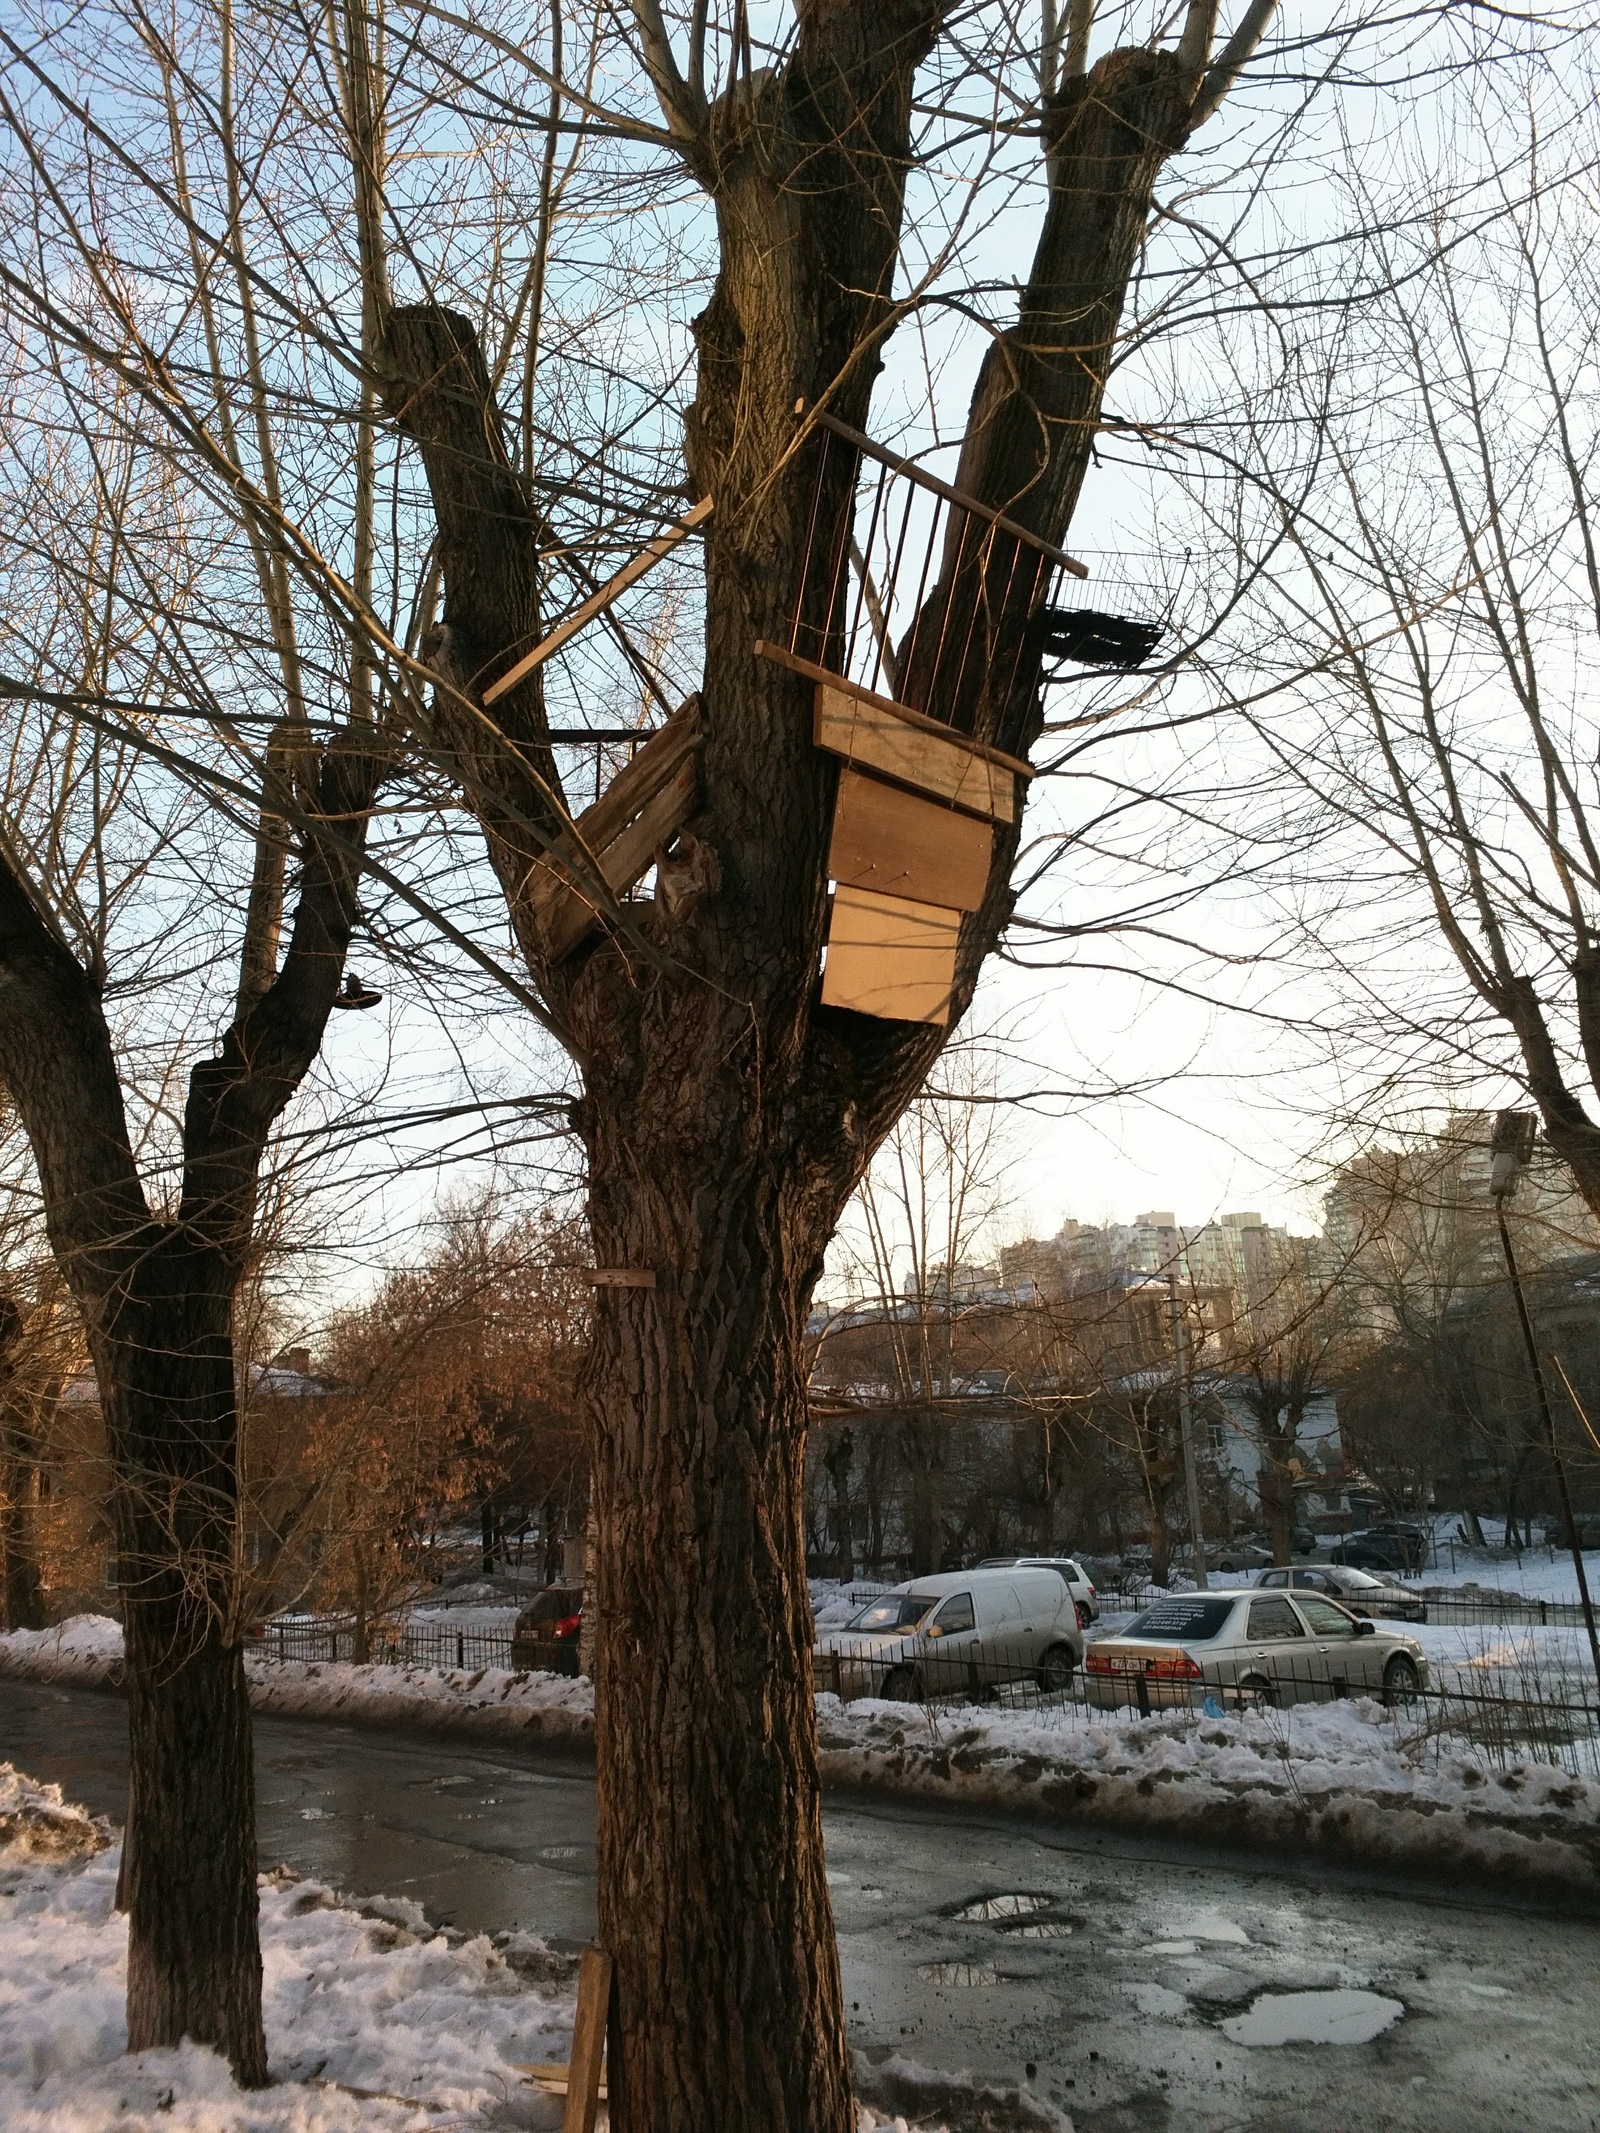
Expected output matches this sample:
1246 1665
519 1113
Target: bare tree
1430 561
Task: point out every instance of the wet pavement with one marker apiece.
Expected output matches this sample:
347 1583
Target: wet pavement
1140 1987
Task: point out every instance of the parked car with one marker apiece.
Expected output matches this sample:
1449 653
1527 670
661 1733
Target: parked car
1250 1648
1078 1581
546 1633
1374 1548
1232 1556
959 1633
1358 1590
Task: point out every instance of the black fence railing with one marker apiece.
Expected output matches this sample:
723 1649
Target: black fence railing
1512 1714
333 1638
1436 1604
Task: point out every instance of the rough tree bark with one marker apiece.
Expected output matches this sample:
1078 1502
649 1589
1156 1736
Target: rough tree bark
21 1593
726 1117
156 1295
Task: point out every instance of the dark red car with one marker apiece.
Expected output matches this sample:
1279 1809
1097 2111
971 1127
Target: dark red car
546 1635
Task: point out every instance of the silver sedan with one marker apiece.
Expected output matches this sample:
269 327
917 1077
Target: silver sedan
1246 1648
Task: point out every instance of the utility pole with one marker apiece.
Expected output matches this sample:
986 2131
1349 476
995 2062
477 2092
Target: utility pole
1180 1357
1513 1144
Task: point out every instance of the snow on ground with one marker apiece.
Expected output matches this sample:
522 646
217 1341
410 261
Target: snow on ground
481 1619
1338 1777
1540 1574
1342 1777
375 2022
86 1651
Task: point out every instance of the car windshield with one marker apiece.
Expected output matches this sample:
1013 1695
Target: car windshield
1352 1579
896 1610
1185 1621
555 1605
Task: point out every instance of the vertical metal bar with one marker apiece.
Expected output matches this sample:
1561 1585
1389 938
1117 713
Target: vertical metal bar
908 662
861 589
805 553
950 594
841 550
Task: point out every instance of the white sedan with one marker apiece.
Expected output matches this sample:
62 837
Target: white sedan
1250 1648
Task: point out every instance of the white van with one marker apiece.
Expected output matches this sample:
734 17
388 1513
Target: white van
957 1634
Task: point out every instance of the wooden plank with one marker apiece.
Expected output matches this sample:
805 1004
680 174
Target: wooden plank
564 913
782 657
902 844
553 892
865 733
549 2075
588 2041
890 957
629 574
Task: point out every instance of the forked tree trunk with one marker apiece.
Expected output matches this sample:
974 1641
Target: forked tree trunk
726 1115
164 1363
156 1299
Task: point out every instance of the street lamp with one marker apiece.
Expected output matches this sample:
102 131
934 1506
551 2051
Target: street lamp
1514 1133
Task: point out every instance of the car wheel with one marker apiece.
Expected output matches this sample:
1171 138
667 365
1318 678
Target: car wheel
1056 1669
1256 1689
1084 1616
899 1685
1401 1681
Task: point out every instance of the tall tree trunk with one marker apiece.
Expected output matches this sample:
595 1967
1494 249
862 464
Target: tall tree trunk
19 1503
20 1588
164 1363
712 1895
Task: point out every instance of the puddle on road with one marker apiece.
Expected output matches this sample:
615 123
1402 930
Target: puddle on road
1157 2000
1021 1906
1219 1929
1343 2017
1040 1929
1167 1947
556 1853
958 1974
1490 1992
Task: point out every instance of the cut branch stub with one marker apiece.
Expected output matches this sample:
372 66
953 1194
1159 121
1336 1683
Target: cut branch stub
644 807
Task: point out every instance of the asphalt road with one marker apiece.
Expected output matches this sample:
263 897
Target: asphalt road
1123 1996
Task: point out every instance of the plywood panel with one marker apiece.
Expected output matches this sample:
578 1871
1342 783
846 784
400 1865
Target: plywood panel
891 957
901 844
869 733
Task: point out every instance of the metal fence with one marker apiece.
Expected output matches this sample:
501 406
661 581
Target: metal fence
1523 1713
1440 1604
311 1639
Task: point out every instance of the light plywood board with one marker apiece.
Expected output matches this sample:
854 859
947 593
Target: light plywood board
915 754
901 844
890 957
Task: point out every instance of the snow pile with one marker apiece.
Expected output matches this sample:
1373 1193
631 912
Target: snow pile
375 2023
86 1649
372 2020
547 1708
37 1824
1334 1777
1338 1777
